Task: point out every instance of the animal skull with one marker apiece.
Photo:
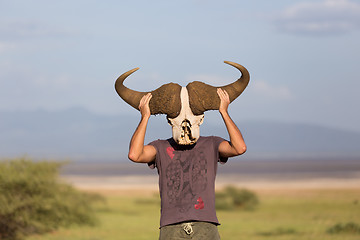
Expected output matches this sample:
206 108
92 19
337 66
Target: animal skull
184 106
186 126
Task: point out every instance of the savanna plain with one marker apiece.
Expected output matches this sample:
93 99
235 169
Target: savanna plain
281 214
311 200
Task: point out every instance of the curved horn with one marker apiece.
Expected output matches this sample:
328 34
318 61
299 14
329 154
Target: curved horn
130 96
165 99
203 97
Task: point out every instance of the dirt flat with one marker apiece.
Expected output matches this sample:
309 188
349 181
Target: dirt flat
258 175
148 184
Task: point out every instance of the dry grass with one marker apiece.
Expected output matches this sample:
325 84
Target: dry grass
283 213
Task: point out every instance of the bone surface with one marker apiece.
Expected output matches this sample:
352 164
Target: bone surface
186 126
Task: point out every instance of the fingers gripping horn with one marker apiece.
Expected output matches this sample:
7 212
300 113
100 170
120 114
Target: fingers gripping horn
165 99
203 97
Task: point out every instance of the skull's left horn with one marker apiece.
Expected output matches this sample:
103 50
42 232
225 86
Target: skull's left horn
165 99
130 96
203 97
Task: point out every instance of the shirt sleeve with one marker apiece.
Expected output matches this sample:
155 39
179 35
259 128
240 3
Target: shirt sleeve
217 141
152 164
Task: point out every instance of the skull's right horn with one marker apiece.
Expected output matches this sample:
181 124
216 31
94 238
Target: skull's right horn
203 97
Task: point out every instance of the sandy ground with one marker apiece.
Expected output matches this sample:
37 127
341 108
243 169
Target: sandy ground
146 185
254 175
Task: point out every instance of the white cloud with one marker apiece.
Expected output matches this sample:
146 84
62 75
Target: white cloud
265 90
25 88
325 17
6 46
20 30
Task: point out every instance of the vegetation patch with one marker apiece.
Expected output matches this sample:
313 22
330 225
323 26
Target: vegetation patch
278 232
154 200
232 197
148 201
349 228
34 201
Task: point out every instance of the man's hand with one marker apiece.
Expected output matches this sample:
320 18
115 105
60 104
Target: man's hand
144 106
224 100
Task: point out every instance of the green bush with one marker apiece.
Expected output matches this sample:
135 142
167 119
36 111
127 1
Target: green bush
34 201
231 198
349 227
278 232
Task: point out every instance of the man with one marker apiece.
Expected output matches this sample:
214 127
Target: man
187 174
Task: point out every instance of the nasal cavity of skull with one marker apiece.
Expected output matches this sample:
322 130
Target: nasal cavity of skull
186 123
185 126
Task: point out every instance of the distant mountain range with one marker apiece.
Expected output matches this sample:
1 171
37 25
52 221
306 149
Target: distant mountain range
78 134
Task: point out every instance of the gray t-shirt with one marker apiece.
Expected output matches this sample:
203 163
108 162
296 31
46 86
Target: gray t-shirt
187 179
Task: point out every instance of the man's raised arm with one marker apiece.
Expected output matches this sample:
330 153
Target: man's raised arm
237 145
137 151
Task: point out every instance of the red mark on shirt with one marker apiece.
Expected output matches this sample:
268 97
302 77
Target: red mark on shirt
200 204
170 152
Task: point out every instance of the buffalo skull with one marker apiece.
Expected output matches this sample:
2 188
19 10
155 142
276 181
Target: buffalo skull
184 106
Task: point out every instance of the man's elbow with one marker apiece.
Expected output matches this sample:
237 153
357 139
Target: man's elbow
133 157
241 150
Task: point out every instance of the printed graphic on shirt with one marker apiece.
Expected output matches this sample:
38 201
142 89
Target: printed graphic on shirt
170 152
200 204
186 179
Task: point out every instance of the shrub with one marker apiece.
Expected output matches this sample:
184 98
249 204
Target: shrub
278 232
33 200
232 197
349 227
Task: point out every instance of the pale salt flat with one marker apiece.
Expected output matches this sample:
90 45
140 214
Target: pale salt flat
257 174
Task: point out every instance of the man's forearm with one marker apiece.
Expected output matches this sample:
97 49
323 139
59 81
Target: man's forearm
236 139
137 141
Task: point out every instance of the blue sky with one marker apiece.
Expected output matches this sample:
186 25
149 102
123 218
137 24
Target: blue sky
303 56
